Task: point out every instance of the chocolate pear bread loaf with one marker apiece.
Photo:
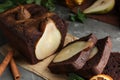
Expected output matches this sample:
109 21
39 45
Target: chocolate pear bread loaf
113 66
97 63
34 31
75 62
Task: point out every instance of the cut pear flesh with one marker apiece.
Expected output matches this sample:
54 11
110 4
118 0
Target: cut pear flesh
100 6
93 52
71 50
49 41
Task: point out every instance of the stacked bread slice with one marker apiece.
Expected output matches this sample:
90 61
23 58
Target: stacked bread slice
97 59
64 64
113 66
97 64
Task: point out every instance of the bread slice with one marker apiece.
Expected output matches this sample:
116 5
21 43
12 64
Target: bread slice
77 61
113 66
97 63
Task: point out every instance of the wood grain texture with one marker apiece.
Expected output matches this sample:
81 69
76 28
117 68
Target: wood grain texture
110 18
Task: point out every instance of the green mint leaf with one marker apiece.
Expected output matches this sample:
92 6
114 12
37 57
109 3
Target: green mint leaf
6 5
18 2
29 1
49 4
38 2
73 76
72 17
81 16
2 10
78 17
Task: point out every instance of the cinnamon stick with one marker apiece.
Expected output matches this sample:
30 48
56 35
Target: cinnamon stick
5 62
14 69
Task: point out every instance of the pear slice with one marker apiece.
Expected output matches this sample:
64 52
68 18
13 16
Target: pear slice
71 50
100 6
49 42
93 52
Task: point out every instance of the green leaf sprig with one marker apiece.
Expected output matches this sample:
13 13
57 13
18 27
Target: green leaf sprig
49 4
6 5
78 17
73 76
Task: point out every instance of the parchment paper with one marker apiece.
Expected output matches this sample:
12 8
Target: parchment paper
40 68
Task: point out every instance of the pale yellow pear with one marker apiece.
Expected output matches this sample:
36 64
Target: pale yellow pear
78 2
100 7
